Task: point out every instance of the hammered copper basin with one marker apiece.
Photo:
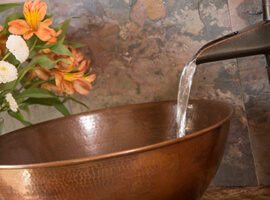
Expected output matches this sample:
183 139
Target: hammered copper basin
123 153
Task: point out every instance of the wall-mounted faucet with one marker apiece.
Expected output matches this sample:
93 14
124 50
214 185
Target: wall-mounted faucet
253 40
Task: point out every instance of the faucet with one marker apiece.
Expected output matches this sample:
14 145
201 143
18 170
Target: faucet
253 40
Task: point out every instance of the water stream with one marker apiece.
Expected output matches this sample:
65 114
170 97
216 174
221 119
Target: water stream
183 96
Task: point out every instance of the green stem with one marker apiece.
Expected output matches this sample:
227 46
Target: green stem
3 106
33 46
19 66
20 78
6 56
35 84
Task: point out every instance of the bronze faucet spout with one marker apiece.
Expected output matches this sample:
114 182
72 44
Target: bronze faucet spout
253 40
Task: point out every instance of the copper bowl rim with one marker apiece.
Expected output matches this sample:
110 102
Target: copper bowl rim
124 152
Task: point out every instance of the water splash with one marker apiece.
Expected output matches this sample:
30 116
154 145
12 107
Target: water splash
183 96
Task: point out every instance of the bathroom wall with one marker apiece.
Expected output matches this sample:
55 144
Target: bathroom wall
256 90
138 49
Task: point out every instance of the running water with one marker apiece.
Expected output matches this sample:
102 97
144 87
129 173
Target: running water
183 96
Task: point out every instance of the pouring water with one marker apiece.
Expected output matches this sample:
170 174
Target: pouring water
183 96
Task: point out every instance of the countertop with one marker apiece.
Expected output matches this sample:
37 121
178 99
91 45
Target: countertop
237 193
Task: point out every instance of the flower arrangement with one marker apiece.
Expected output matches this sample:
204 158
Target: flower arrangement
38 66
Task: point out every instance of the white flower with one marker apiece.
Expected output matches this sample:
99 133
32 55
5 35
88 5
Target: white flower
18 47
12 102
8 72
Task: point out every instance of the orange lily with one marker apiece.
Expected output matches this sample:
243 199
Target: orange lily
41 73
69 82
62 84
62 66
52 41
84 65
78 55
3 40
83 85
69 77
34 13
73 62
50 87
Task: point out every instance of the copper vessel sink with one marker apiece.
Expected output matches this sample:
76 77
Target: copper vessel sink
122 153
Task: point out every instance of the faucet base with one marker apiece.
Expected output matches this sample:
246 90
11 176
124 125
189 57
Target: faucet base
268 72
267 57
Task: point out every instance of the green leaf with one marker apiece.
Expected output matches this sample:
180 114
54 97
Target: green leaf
17 115
76 101
36 93
25 109
63 26
62 60
12 60
74 44
13 16
61 50
48 17
39 101
43 46
58 48
47 102
7 86
31 41
61 108
44 62
4 7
